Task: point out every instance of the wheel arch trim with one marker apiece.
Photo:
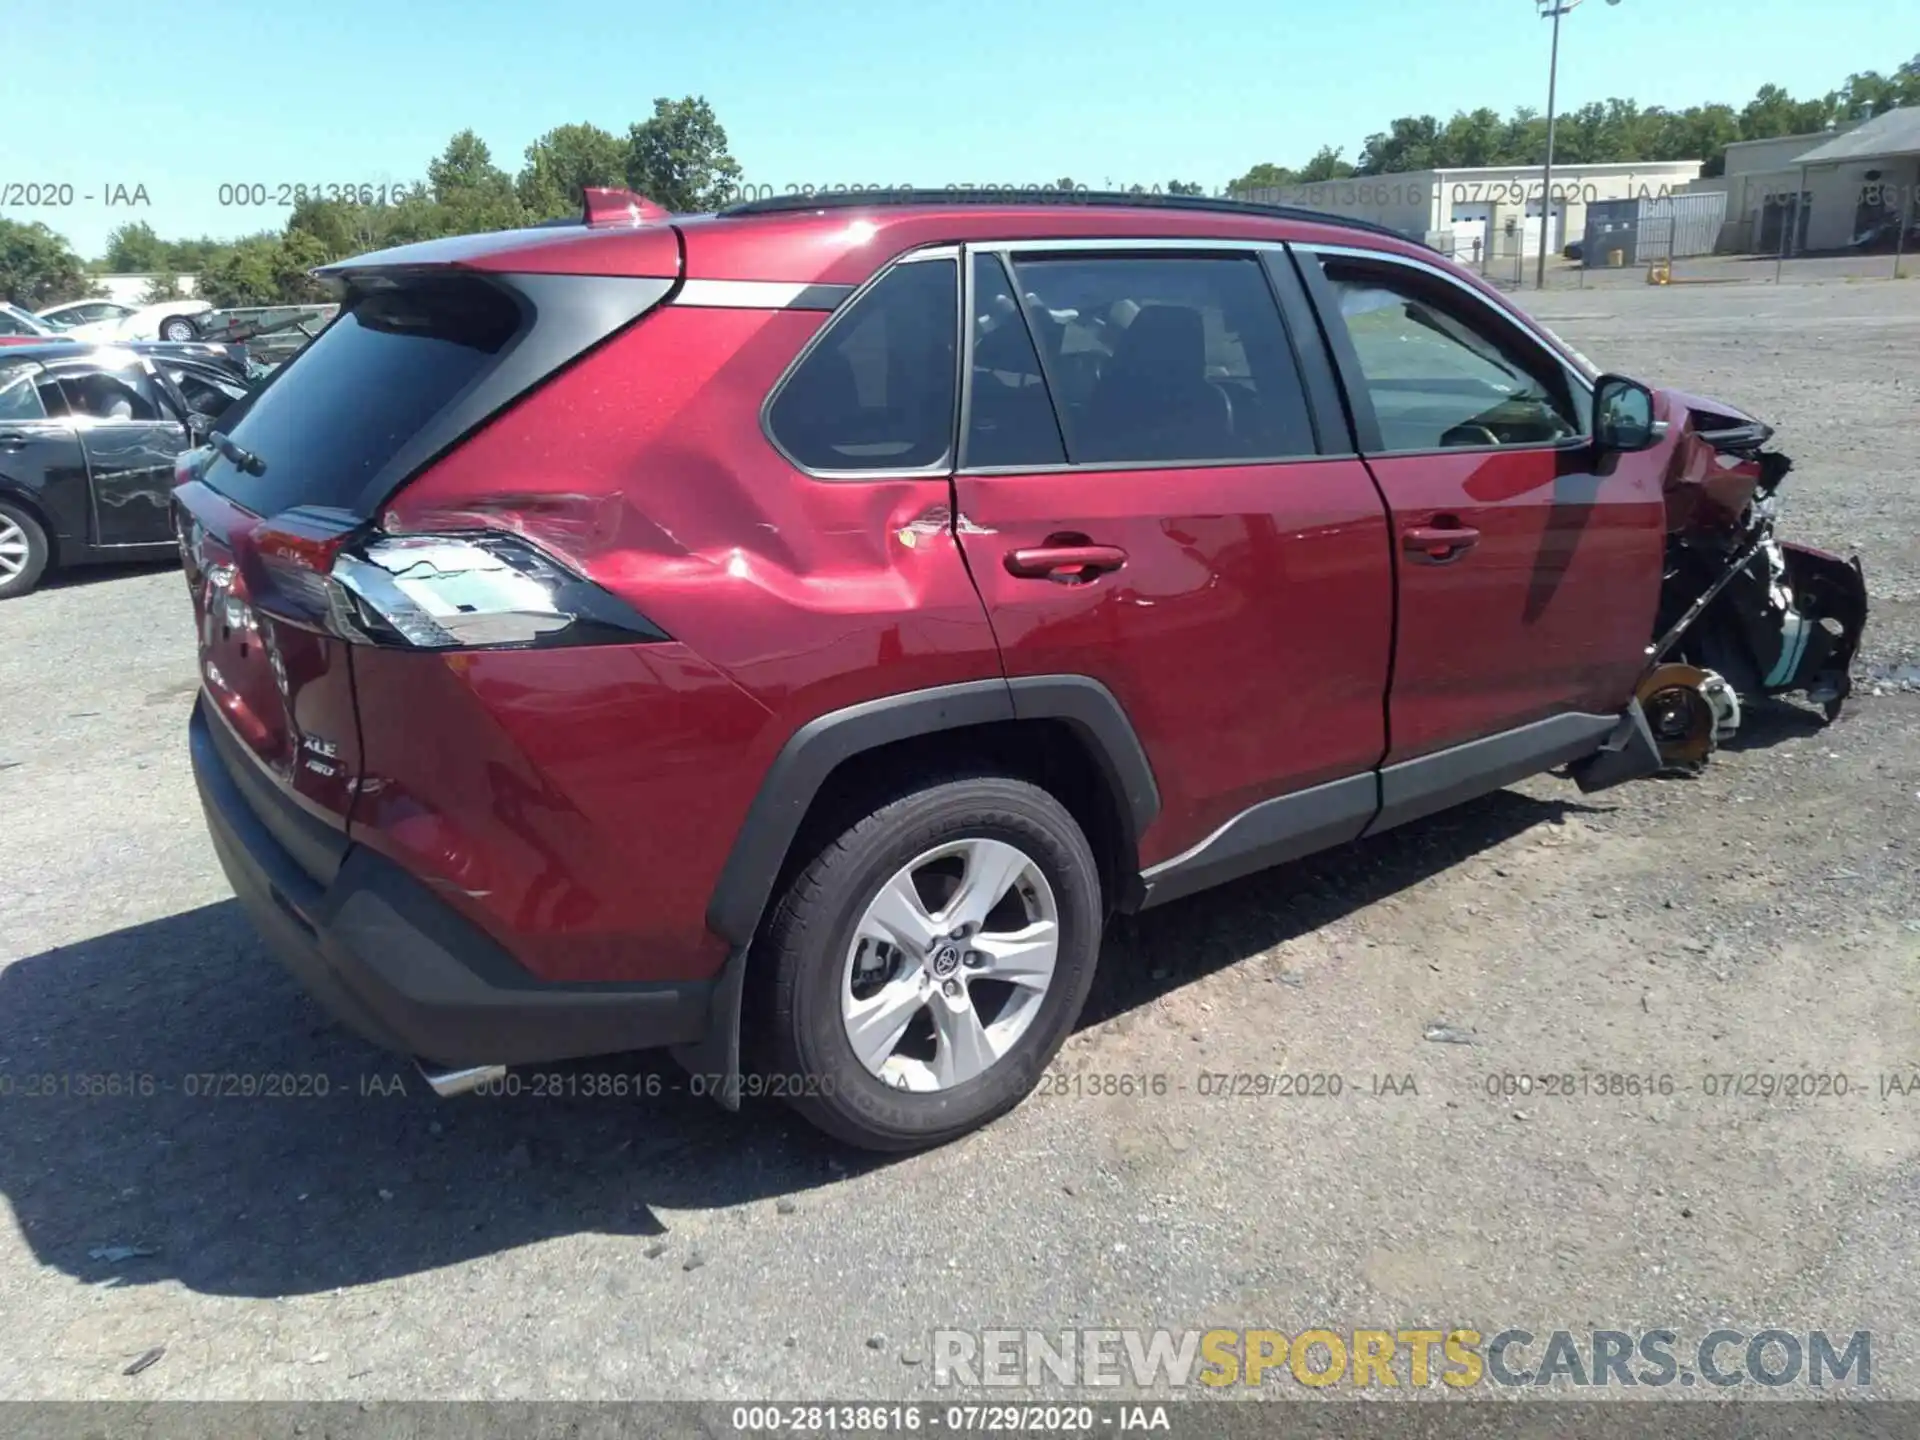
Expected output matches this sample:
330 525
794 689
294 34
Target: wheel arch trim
819 747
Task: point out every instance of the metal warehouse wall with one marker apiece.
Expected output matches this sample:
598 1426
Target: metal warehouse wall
1641 231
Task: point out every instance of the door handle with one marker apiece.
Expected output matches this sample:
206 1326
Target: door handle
1436 544
1065 564
14 440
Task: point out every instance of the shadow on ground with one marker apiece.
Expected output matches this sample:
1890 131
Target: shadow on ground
75 576
120 1126
1767 723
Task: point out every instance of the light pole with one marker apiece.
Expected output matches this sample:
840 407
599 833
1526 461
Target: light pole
1553 9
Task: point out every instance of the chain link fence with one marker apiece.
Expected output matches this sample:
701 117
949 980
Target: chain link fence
1749 252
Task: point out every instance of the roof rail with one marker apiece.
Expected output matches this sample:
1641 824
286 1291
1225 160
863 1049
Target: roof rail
1219 205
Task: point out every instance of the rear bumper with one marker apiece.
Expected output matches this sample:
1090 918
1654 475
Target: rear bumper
400 967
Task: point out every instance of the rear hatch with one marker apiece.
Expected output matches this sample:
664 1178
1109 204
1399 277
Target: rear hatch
430 343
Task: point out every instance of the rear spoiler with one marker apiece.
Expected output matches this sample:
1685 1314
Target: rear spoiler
655 251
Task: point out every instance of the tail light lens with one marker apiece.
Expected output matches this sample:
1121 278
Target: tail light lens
468 590
438 592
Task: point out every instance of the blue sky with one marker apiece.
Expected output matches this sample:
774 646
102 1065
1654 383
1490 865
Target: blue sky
833 91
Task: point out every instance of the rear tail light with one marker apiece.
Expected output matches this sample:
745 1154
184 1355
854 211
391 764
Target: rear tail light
468 590
437 592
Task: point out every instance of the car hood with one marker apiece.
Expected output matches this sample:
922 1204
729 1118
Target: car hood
1710 416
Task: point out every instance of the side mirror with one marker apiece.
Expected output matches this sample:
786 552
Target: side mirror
1623 415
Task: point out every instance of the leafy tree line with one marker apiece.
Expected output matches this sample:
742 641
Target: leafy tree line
678 157
1605 131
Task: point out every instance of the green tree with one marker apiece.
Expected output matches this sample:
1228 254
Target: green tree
265 270
679 158
164 286
1872 93
562 163
38 268
1773 113
135 250
1264 176
473 192
244 274
340 227
1326 164
190 256
1185 187
299 253
1702 131
1410 143
414 216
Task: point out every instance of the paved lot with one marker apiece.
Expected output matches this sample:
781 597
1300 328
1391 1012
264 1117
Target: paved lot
1763 918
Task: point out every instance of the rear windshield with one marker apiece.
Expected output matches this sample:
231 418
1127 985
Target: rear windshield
372 380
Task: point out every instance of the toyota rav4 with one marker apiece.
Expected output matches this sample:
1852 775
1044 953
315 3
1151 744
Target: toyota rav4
787 635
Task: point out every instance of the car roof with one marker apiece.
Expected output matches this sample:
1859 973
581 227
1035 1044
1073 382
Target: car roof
1034 198
842 239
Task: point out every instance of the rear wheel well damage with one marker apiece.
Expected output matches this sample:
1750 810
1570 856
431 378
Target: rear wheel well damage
1070 738
1059 731
1048 753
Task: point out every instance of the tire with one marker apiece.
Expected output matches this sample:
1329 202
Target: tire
23 551
178 327
821 967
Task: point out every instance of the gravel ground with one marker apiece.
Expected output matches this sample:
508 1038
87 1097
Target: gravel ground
1762 918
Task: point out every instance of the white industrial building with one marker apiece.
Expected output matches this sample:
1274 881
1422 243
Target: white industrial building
1490 211
1817 192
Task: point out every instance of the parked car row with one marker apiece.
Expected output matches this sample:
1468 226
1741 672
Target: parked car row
89 435
112 320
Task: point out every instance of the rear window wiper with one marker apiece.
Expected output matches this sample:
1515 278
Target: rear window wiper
243 459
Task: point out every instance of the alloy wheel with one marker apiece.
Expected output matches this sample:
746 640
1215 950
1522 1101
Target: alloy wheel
949 965
13 549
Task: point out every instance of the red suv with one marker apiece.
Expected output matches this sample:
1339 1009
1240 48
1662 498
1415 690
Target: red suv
810 622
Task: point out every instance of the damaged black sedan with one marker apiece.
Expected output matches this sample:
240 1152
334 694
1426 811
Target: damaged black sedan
89 435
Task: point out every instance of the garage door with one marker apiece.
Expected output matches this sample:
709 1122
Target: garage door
1469 222
1556 227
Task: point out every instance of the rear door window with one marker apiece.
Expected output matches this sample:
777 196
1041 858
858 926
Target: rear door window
1166 358
1010 419
877 391
109 390
390 363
